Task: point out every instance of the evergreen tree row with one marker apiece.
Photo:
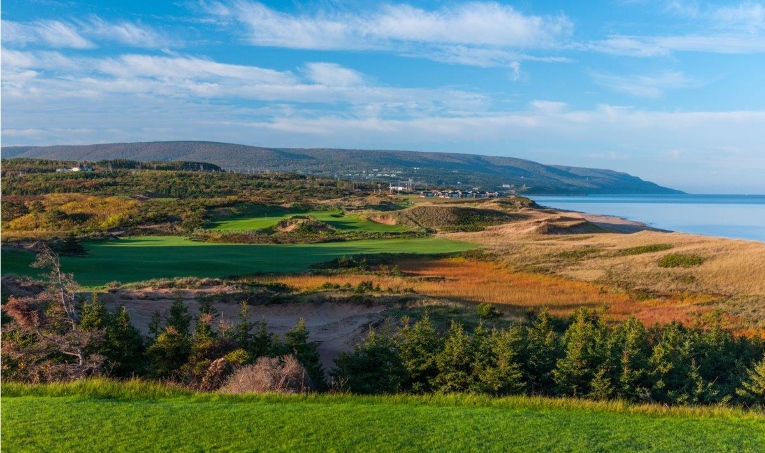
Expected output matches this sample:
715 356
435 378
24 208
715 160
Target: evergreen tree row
592 359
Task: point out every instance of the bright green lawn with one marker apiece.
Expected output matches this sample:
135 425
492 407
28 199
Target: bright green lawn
144 258
187 422
265 217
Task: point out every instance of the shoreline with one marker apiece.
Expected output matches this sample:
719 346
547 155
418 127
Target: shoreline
612 223
710 218
618 224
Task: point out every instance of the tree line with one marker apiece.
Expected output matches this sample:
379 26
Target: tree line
591 358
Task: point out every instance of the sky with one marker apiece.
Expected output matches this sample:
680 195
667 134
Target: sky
670 91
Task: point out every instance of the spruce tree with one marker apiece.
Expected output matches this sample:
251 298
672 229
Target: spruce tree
374 367
455 362
418 345
585 355
542 350
179 317
296 343
752 389
124 346
503 375
633 352
168 353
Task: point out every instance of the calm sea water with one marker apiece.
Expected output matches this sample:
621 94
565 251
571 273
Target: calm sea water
730 216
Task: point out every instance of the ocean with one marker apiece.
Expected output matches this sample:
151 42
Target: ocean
729 216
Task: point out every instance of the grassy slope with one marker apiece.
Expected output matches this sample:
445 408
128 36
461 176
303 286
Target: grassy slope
265 218
140 420
143 258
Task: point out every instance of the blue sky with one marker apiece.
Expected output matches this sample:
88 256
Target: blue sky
671 91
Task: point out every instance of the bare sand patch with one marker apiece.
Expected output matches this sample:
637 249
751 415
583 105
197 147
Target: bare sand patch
337 327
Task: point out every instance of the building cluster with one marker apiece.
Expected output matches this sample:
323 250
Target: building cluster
459 194
78 168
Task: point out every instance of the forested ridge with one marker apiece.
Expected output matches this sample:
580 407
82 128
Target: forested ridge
425 168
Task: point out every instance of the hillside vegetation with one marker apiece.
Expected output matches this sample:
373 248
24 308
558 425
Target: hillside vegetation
425 168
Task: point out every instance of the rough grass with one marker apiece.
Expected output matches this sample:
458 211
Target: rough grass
102 415
453 218
467 280
731 267
144 258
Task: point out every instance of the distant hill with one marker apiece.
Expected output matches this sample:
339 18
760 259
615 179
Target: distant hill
424 169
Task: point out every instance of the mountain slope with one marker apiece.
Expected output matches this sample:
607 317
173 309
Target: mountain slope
424 168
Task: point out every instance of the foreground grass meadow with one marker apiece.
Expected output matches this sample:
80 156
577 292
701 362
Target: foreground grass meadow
136 416
143 258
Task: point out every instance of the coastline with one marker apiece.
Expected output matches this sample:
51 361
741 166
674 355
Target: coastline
731 217
618 224
612 223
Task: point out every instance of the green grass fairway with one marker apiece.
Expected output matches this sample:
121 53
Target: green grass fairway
265 217
82 419
143 258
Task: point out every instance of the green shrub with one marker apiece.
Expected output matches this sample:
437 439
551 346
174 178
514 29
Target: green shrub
651 248
680 260
577 254
486 311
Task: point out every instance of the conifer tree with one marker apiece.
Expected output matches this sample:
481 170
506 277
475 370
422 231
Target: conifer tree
242 332
503 374
541 352
633 352
168 353
752 389
418 345
296 343
374 367
455 362
124 346
585 355
155 324
179 317
675 371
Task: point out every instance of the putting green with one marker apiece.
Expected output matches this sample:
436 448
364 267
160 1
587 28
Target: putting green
143 258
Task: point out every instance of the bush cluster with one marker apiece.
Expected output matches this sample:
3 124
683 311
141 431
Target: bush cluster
54 336
680 260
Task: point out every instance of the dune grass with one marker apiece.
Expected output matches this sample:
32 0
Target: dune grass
260 217
466 280
143 258
103 415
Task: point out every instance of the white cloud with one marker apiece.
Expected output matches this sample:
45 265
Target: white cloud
82 34
47 76
51 33
331 74
132 34
748 17
481 33
650 86
737 29
186 68
548 106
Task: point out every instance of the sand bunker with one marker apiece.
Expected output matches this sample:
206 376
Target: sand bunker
337 327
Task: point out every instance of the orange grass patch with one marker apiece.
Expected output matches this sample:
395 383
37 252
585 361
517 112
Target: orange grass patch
460 279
